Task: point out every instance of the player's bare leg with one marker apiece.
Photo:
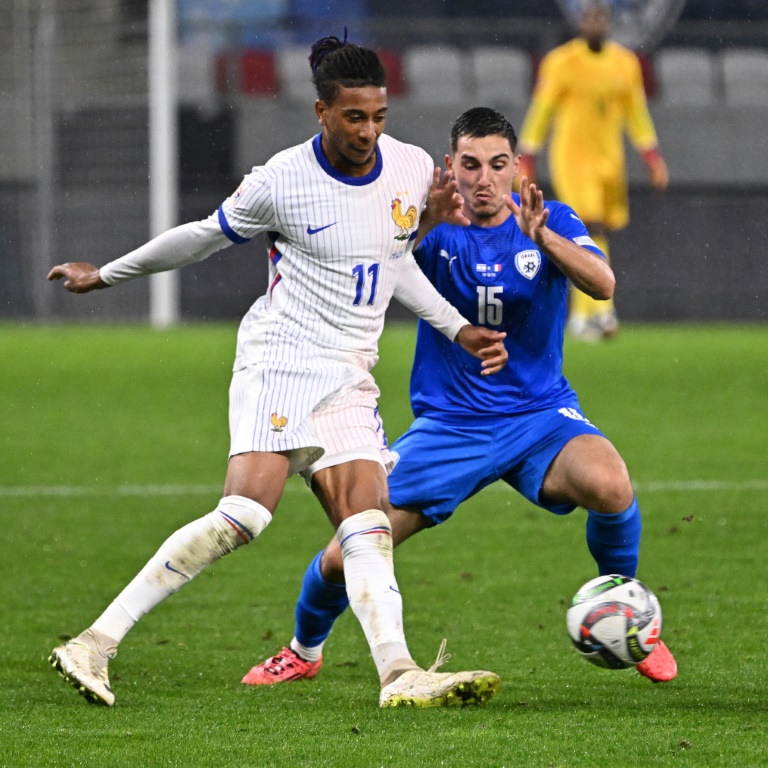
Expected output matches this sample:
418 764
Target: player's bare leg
590 472
253 486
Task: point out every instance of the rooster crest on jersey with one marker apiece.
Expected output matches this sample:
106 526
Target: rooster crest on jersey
278 422
405 221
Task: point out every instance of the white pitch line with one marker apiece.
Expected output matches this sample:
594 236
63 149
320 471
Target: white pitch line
686 486
121 490
652 486
662 486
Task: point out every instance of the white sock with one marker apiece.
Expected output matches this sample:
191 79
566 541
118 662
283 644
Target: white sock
366 548
315 653
235 521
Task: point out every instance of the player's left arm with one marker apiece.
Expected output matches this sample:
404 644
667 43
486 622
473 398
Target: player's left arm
641 130
586 270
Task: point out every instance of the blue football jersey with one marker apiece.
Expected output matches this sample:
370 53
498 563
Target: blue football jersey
496 277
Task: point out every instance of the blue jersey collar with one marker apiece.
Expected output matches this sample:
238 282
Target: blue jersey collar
354 181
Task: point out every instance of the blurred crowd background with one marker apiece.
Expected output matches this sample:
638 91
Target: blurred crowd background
74 140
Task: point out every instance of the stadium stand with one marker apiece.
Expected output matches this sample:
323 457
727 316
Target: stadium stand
196 83
687 76
435 74
294 76
501 75
393 65
745 76
257 73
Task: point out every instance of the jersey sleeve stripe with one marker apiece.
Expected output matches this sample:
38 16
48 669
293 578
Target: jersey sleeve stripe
228 231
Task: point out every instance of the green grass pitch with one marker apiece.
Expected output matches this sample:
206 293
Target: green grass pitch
112 437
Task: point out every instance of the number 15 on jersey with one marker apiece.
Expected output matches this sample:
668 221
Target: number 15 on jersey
490 309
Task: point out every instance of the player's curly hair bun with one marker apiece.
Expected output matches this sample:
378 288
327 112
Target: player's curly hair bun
336 63
322 47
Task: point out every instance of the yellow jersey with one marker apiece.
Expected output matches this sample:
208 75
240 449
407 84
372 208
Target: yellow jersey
591 98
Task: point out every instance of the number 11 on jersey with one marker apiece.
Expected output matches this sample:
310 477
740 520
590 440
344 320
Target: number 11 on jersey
490 309
359 272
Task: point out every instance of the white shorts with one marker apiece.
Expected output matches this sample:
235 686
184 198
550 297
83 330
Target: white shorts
322 417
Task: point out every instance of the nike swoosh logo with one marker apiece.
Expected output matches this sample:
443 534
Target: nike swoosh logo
311 231
171 568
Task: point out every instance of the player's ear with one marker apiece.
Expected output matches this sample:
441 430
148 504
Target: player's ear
320 110
449 162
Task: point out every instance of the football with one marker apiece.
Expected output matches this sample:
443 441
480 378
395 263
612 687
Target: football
614 621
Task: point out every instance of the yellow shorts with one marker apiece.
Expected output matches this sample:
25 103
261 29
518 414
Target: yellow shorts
596 199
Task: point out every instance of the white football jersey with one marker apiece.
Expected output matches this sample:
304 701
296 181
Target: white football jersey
336 245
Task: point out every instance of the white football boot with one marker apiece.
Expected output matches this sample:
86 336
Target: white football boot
82 662
427 688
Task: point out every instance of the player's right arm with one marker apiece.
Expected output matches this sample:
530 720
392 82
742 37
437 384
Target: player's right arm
244 214
175 248
546 96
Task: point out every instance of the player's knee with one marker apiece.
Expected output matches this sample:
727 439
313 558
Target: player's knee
366 536
236 521
615 493
611 488
614 500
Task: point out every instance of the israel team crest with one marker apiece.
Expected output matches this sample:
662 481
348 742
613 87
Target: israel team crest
528 263
635 24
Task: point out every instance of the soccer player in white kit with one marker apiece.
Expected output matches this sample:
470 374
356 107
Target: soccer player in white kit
341 212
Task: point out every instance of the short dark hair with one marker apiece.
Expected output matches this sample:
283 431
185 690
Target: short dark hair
482 121
336 63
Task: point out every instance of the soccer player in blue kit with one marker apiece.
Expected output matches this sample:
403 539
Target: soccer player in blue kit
508 270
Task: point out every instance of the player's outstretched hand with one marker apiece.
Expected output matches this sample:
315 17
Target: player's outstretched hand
79 276
485 344
444 203
531 215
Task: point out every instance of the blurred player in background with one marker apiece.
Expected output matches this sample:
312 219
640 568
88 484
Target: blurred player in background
591 90
341 212
509 271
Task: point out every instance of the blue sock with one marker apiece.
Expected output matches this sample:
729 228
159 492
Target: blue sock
320 603
614 540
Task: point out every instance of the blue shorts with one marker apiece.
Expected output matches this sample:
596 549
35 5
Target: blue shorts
443 463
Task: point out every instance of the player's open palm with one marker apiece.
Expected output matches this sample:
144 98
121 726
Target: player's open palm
444 203
531 215
78 276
